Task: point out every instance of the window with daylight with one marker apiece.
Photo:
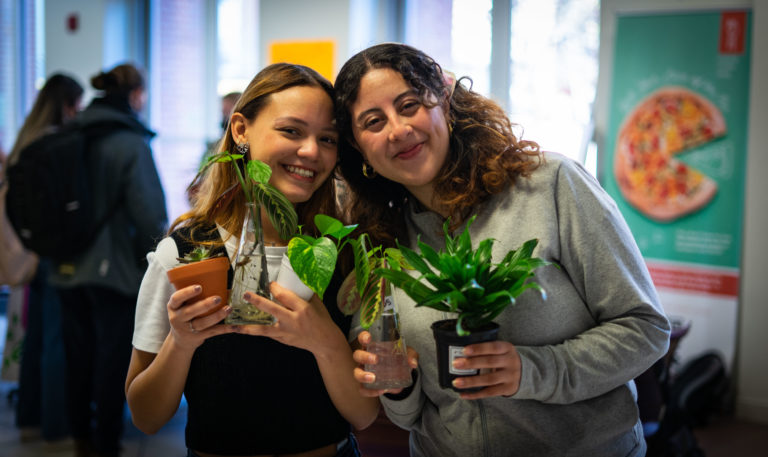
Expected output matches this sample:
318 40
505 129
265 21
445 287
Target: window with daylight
546 82
553 73
21 64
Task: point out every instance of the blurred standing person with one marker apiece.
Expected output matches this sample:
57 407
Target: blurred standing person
227 106
98 290
41 408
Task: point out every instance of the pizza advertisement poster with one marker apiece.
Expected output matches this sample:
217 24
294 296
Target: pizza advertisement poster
675 152
674 156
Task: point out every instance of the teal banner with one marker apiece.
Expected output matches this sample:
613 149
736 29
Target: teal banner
675 151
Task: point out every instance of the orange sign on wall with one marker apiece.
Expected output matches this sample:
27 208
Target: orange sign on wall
318 55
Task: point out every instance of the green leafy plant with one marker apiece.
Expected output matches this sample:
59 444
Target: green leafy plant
198 254
459 279
314 258
256 188
369 285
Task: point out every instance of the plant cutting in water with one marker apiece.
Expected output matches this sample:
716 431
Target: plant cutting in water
366 286
378 313
250 269
256 189
459 279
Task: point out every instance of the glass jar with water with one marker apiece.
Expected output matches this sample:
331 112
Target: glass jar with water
392 370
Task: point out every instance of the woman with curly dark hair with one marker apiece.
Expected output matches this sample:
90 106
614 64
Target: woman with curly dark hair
421 148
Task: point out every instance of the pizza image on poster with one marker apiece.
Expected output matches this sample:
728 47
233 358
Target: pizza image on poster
668 122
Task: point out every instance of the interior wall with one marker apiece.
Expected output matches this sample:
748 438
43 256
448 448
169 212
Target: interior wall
751 369
278 21
752 381
79 53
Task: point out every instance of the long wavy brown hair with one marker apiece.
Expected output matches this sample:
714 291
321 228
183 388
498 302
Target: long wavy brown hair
59 94
219 198
485 156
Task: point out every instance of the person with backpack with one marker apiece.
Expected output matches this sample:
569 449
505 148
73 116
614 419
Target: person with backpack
41 406
99 286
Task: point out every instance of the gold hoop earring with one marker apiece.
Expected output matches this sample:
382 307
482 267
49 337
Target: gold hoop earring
366 172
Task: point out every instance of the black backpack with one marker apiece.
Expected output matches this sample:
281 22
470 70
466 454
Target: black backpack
700 389
50 199
695 394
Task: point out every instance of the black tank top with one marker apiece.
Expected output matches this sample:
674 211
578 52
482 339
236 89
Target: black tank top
253 395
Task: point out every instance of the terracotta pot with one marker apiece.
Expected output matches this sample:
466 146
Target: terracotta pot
211 274
450 346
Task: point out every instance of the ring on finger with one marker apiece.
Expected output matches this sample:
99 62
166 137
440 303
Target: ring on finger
191 328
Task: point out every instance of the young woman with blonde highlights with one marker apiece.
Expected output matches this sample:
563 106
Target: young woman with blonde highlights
285 389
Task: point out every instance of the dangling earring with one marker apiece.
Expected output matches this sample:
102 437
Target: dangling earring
243 148
366 172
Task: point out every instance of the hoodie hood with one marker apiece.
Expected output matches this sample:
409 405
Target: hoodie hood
107 111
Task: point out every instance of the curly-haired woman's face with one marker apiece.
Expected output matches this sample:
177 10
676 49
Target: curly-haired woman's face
401 138
296 136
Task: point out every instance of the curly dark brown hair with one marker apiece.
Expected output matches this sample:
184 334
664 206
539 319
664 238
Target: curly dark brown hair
484 159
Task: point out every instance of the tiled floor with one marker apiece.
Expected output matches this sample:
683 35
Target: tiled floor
168 442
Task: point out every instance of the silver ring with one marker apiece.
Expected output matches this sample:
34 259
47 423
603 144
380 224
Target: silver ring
191 329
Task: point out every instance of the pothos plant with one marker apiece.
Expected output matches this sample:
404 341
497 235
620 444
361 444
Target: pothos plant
460 279
314 258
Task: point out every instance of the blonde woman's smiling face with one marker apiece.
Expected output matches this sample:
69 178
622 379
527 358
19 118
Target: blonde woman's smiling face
401 138
296 136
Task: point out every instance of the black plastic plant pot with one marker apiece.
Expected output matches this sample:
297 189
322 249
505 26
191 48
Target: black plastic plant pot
451 346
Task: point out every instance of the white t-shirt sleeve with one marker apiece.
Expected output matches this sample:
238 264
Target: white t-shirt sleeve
152 324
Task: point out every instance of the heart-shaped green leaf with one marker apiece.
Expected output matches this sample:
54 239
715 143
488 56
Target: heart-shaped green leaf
313 263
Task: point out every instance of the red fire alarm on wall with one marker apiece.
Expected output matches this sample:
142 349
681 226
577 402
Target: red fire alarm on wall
73 22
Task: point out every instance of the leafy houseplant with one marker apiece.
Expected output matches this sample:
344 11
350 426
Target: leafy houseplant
199 254
378 313
257 190
199 267
462 280
314 258
250 261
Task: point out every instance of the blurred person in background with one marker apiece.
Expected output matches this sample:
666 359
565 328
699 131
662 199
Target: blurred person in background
41 407
98 289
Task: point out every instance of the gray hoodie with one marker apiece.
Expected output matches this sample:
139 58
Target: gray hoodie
600 326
